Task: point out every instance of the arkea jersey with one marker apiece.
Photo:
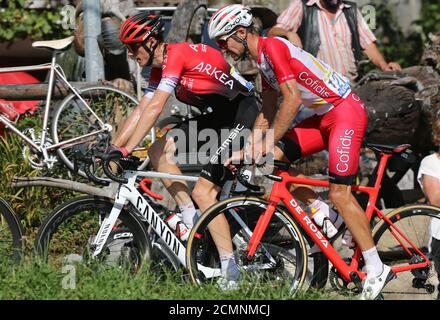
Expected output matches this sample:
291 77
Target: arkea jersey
321 87
195 70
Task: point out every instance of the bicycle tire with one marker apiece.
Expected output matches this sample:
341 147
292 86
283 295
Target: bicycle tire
413 221
58 242
11 235
287 243
69 116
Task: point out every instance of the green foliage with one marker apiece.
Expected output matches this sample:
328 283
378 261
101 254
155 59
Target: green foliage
404 49
18 22
430 21
31 204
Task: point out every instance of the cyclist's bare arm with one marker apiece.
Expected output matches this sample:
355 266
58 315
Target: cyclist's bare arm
259 144
148 118
268 111
132 121
287 110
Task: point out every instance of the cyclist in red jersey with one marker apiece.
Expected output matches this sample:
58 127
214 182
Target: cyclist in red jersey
338 121
200 76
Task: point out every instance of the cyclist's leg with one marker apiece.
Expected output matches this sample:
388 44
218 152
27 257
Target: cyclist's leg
345 126
205 194
215 174
304 139
162 158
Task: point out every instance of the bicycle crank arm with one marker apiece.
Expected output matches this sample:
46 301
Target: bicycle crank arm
264 266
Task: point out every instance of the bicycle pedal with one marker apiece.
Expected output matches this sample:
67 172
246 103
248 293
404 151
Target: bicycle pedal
391 276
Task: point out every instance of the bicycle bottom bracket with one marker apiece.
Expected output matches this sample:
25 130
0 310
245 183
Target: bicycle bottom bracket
340 284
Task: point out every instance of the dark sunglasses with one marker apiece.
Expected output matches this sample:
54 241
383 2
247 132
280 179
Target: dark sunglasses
223 43
133 48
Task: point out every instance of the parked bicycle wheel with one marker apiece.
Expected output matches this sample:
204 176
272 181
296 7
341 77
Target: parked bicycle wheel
68 232
281 257
11 234
72 119
414 221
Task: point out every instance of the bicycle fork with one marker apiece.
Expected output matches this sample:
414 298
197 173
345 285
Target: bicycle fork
260 228
107 226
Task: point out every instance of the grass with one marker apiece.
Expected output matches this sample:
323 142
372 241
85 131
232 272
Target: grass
32 280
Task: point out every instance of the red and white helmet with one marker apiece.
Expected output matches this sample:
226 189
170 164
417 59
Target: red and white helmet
226 19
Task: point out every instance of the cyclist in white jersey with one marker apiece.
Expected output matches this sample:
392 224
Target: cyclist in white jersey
339 123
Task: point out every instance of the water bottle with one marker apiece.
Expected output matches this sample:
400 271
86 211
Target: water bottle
324 222
347 239
176 224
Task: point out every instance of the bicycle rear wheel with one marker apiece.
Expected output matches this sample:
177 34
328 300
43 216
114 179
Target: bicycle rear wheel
414 221
72 120
11 234
68 232
281 258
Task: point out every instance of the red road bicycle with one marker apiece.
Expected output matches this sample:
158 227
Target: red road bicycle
271 239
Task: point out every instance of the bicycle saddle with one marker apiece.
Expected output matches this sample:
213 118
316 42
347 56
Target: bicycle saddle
54 44
389 149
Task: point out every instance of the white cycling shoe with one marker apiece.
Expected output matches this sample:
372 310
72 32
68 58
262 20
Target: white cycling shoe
372 286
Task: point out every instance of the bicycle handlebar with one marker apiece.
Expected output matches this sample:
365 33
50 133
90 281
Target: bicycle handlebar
106 159
87 161
243 179
93 177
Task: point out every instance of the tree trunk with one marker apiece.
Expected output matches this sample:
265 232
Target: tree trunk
37 91
401 111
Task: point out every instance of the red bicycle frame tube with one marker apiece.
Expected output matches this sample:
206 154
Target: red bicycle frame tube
280 192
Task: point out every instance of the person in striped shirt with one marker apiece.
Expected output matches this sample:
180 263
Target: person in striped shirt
332 30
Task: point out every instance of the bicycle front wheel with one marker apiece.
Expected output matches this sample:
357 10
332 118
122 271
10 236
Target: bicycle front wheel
68 232
415 222
281 258
11 234
73 120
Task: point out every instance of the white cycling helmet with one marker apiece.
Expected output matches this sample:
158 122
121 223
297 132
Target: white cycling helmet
226 19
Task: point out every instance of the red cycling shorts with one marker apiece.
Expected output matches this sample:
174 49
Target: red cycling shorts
340 131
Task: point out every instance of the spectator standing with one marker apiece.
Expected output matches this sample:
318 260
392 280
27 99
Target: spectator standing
333 31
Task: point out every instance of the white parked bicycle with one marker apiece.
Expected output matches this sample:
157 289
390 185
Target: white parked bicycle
126 230
86 117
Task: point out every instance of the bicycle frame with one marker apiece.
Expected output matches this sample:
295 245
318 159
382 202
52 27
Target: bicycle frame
55 70
128 193
350 272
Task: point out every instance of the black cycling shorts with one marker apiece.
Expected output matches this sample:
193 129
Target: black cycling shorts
209 139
